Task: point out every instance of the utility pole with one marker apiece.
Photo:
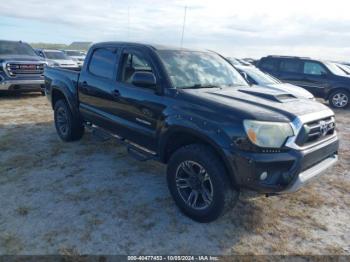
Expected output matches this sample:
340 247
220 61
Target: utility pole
183 27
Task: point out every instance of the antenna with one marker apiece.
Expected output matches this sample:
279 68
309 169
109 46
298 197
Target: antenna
128 28
183 27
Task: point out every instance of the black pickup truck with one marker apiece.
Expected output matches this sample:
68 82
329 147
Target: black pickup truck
194 112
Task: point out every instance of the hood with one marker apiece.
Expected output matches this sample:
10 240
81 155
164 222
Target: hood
77 57
21 58
254 103
64 62
292 89
344 78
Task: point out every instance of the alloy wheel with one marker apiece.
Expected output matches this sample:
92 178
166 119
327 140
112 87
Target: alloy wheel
62 121
340 100
194 185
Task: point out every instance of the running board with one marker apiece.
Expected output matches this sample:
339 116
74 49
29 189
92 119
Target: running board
136 151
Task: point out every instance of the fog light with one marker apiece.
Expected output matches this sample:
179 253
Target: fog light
263 175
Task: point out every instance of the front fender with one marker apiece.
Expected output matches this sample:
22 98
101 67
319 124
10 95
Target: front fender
201 129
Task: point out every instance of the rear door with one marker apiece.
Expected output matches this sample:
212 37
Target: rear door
291 71
97 85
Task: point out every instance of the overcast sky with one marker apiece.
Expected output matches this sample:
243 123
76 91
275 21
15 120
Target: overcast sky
242 28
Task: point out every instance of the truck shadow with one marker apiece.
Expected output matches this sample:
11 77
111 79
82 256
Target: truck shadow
77 193
18 95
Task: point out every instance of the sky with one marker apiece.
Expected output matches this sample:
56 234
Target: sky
237 28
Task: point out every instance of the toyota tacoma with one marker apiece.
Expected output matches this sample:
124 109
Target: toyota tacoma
194 112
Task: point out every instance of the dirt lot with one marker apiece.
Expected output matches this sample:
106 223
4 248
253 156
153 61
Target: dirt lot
91 197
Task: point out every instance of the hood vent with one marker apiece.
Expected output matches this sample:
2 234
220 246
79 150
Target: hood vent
278 97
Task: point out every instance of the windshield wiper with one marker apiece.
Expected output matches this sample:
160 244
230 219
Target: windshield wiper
197 86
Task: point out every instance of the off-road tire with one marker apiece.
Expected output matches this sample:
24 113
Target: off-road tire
74 127
224 195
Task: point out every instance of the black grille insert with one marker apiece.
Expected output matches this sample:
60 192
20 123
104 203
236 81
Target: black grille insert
316 131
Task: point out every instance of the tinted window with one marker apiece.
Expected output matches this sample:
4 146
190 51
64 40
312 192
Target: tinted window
291 66
313 68
133 63
268 64
103 62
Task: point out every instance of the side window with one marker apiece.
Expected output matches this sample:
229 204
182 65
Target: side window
132 63
314 68
291 66
268 64
103 62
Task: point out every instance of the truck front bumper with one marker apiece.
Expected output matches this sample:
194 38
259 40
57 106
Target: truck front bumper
21 84
282 172
312 173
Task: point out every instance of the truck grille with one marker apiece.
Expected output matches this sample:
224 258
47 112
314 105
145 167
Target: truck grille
316 131
15 69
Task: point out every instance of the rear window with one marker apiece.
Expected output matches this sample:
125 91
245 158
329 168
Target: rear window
291 66
268 64
103 62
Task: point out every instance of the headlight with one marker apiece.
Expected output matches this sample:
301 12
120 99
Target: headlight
267 134
53 64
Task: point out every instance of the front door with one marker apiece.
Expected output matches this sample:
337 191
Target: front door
139 107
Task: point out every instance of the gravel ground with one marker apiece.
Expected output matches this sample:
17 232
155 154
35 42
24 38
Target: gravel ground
91 197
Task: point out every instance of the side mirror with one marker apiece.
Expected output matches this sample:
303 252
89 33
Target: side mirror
144 79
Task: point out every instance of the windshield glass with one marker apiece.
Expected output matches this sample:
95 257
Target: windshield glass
16 48
260 77
345 68
199 69
55 55
75 53
335 69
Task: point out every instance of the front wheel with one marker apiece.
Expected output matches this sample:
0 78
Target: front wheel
68 127
198 183
339 99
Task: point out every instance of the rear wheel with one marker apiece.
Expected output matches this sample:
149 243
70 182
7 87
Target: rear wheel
339 99
198 183
69 128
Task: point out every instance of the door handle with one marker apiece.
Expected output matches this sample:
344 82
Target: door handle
84 87
116 93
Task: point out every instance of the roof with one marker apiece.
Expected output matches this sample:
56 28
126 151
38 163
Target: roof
153 46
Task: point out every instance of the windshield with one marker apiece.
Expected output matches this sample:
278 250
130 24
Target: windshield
335 69
190 69
16 48
345 68
75 53
55 55
260 77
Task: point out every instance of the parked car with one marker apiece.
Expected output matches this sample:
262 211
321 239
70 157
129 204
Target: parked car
194 112
323 79
255 76
237 61
56 58
76 55
344 67
20 68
